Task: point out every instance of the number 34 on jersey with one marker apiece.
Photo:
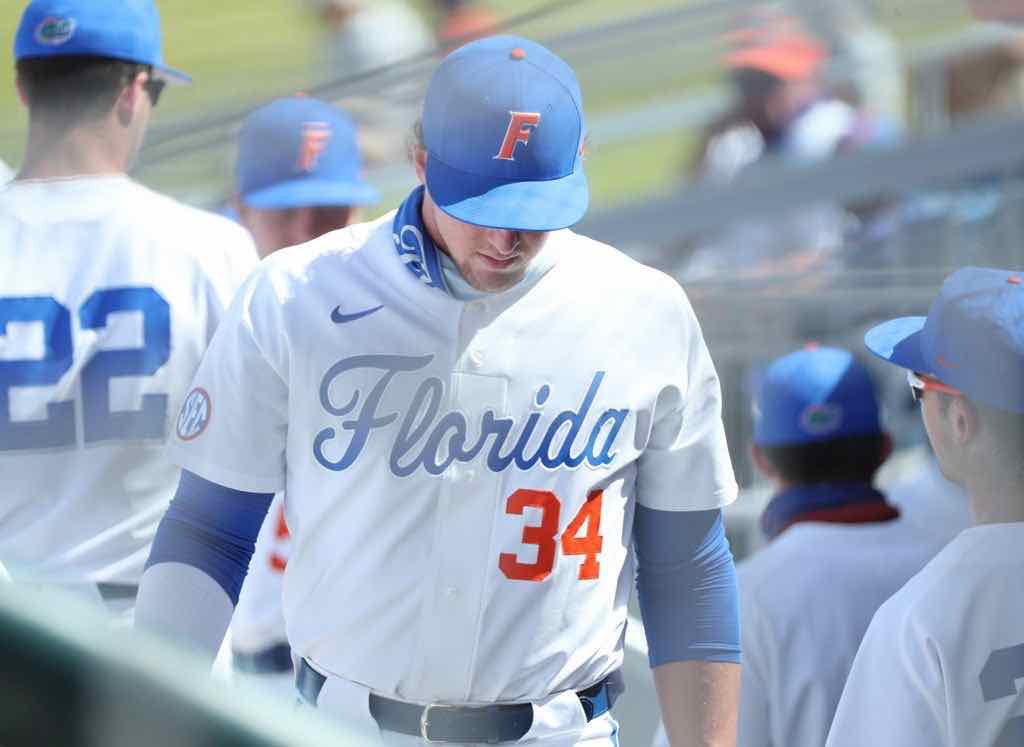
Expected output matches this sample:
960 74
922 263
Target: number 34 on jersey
581 537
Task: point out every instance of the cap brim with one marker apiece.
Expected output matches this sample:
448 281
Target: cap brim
899 342
547 205
175 77
311 193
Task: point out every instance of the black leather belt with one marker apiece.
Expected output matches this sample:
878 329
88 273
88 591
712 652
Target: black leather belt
271 660
490 724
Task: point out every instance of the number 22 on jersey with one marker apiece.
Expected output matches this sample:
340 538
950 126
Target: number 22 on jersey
99 421
581 537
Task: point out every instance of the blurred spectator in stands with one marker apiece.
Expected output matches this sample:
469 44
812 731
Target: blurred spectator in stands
364 34
299 176
462 22
783 114
1004 11
865 68
837 547
989 80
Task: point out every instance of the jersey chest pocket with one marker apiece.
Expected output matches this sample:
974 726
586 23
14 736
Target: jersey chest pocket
99 422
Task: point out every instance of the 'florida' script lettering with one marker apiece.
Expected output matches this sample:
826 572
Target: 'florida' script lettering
430 440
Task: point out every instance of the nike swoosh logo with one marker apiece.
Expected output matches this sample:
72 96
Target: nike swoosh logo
338 318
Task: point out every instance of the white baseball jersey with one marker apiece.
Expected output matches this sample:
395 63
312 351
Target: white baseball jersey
943 659
258 622
806 600
109 294
460 476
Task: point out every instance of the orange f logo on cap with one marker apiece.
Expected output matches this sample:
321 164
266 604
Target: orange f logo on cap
520 127
315 136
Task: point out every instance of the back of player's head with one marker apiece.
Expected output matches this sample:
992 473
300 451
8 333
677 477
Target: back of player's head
300 152
816 417
503 130
75 56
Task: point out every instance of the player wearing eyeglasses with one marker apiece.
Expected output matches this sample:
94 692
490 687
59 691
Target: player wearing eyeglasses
109 294
941 662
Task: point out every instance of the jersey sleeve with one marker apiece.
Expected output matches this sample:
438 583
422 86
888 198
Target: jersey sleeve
232 426
894 696
686 464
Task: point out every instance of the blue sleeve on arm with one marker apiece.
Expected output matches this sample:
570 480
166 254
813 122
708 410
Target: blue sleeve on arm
211 528
686 582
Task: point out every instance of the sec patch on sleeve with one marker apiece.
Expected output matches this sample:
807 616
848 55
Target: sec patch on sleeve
195 414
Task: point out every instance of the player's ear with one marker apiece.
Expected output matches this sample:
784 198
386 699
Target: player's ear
22 96
419 162
963 419
131 95
763 464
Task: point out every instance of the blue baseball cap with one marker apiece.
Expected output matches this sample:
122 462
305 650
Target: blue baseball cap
300 152
972 338
815 394
126 30
503 129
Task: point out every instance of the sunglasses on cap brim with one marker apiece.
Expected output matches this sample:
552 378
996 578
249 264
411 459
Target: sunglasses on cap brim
920 383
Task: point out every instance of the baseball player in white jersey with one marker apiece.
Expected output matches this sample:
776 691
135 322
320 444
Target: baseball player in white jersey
942 662
298 176
475 415
837 548
109 294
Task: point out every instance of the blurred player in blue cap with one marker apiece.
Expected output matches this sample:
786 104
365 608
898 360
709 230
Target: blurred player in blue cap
837 548
474 435
109 294
944 656
299 176
299 173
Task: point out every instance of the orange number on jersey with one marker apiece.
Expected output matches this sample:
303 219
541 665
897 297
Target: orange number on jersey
543 536
280 532
589 544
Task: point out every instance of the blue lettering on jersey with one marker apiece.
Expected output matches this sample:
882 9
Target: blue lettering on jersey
430 440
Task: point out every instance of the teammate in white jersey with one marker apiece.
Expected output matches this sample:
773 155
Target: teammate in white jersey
837 548
109 294
473 425
298 176
942 661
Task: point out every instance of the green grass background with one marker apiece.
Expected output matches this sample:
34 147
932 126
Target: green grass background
242 52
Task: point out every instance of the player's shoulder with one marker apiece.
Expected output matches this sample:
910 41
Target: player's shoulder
922 606
192 229
326 260
603 265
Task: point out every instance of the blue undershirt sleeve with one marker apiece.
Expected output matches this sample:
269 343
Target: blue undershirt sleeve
212 528
686 583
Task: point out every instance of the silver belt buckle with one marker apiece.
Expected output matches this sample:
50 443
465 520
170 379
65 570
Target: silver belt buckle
425 722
